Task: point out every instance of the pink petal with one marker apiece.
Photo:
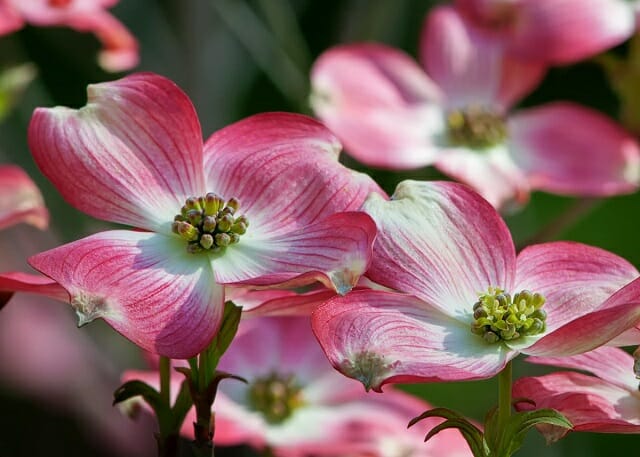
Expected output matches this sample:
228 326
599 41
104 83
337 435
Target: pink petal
20 199
120 48
569 149
555 31
471 67
574 278
10 19
133 154
629 337
466 65
591 404
383 337
284 170
16 281
386 122
588 331
335 251
507 186
146 286
441 242
280 302
608 363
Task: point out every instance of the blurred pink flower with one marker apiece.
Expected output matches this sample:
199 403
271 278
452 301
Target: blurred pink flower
43 357
465 303
608 402
553 31
390 114
253 207
296 404
120 48
20 199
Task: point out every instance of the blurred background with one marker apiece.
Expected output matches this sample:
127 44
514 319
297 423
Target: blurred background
233 58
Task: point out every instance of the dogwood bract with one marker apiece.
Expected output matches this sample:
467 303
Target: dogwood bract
257 205
464 304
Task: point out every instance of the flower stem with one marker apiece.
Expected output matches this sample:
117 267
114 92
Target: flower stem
168 438
165 380
504 401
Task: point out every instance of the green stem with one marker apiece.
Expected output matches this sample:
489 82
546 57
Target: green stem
165 380
504 399
168 438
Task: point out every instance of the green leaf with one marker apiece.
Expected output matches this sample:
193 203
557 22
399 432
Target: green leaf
470 432
491 435
137 388
225 335
445 413
520 424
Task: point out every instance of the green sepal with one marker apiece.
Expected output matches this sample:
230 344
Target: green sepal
491 435
224 337
150 395
470 432
520 423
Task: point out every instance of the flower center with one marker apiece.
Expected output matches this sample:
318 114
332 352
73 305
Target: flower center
209 223
275 397
475 127
498 317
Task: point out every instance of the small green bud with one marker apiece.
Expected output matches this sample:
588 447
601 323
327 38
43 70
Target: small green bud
234 204
206 241
186 231
212 204
209 224
223 239
194 217
491 337
225 223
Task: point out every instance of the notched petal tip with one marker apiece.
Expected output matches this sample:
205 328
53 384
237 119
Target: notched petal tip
90 307
368 367
345 279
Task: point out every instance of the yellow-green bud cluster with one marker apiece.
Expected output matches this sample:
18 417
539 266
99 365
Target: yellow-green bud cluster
497 316
475 127
275 397
209 223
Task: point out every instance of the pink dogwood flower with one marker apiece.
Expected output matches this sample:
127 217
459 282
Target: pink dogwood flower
20 199
553 31
463 303
297 405
120 48
260 204
390 114
608 402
